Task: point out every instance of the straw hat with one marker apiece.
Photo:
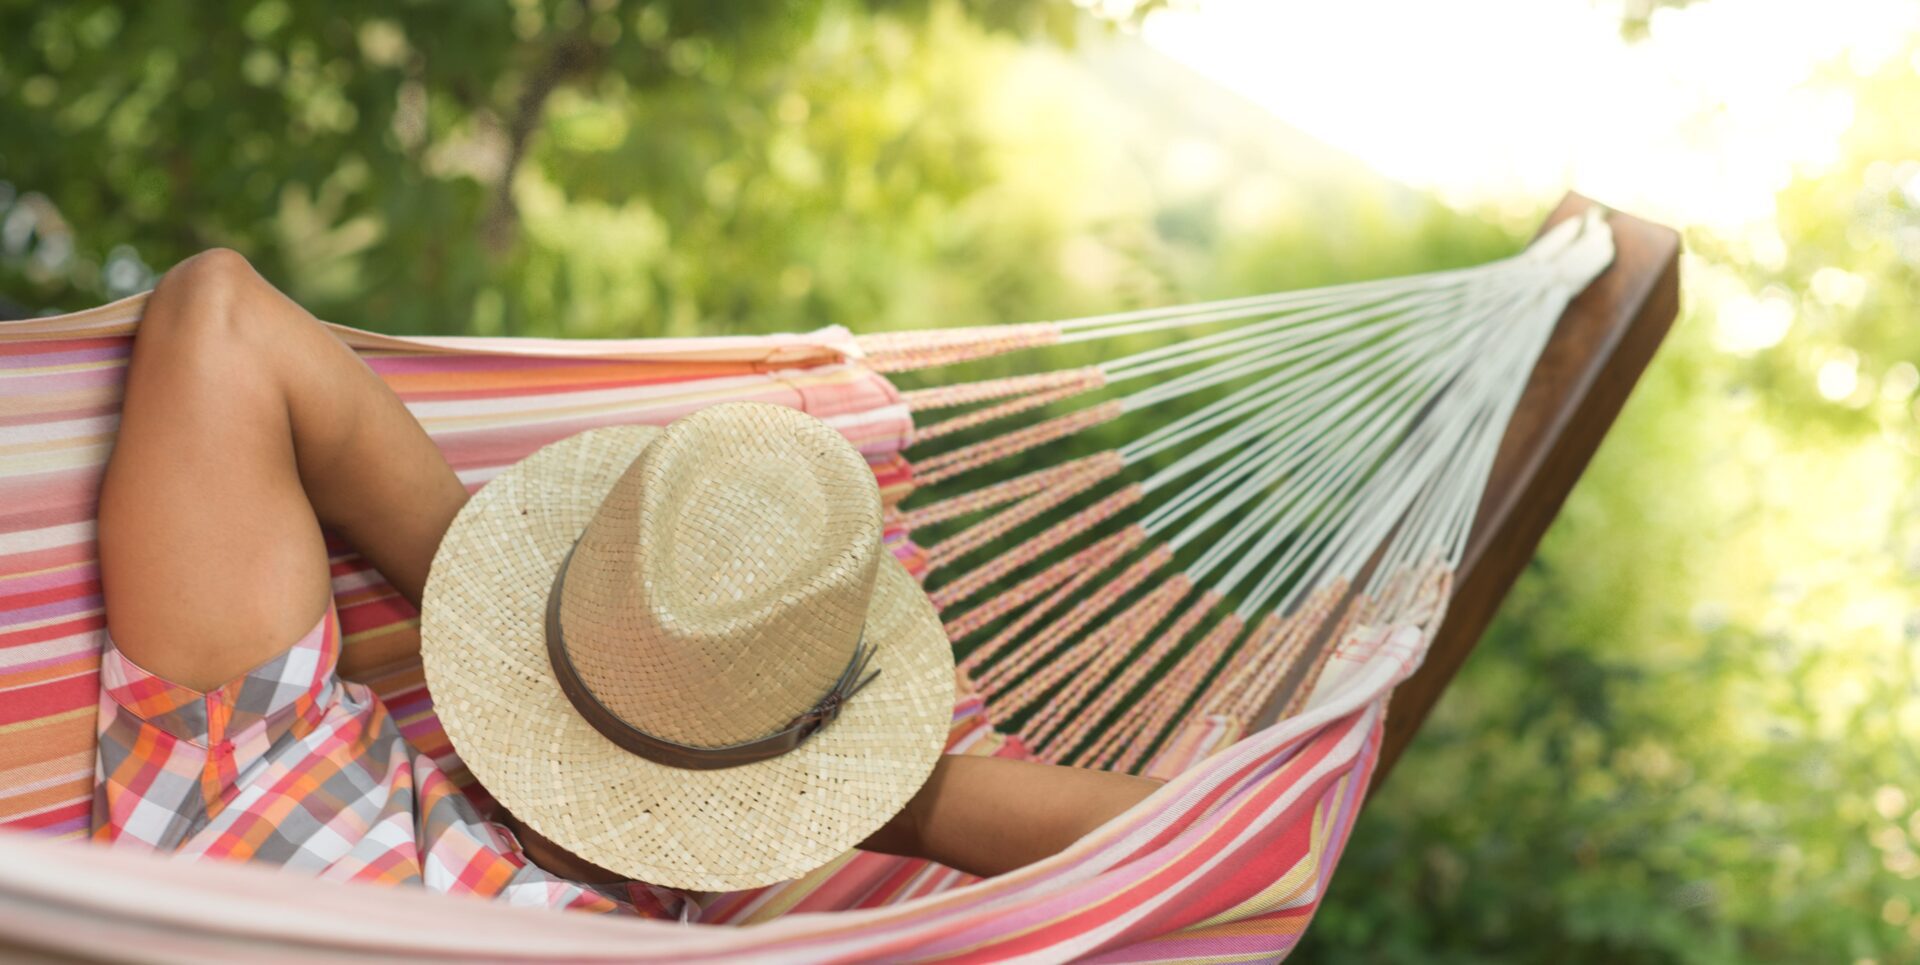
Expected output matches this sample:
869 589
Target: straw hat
683 654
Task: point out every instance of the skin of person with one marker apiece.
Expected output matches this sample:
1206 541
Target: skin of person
249 429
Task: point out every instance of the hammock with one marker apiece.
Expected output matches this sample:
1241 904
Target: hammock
1275 541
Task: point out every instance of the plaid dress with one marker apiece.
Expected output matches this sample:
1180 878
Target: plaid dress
289 764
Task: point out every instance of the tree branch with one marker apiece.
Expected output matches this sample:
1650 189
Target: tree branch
570 56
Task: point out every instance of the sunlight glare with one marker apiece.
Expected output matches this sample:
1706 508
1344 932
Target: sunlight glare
1839 376
1745 324
1487 101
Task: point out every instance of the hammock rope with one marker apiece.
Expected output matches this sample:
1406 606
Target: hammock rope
1356 423
1276 529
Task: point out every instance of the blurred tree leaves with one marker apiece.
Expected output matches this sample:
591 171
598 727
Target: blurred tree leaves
1693 734
1689 737
349 147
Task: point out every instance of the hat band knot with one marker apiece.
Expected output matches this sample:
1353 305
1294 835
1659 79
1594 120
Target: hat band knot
672 753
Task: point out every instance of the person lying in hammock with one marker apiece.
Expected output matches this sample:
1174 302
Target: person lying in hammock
679 658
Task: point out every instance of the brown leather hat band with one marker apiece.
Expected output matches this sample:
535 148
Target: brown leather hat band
663 751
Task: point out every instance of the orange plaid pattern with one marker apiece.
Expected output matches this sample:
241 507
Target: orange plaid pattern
291 765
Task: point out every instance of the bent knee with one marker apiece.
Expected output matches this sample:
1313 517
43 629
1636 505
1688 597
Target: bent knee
215 296
214 273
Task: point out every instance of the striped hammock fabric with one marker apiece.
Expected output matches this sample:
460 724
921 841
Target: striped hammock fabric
1277 547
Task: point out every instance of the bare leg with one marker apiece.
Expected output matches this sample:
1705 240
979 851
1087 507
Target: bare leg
246 428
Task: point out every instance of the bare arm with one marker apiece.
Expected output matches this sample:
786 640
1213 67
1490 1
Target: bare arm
982 815
990 815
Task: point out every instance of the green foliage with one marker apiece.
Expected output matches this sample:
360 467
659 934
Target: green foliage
356 151
1690 735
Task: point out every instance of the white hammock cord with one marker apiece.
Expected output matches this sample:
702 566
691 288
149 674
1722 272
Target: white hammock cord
1342 323
1565 259
1393 470
1502 374
1402 349
1232 368
1346 510
1282 385
1355 419
1444 535
1127 323
1410 470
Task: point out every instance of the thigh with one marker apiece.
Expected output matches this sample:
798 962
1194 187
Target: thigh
212 560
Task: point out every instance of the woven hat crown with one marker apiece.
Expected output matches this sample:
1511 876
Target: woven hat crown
722 586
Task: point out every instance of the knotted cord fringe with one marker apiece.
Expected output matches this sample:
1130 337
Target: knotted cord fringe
967 393
995 413
1055 536
1094 468
905 351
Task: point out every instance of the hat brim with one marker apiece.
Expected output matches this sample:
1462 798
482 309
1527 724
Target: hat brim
483 644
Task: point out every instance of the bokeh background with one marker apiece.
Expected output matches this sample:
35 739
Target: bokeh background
1691 735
